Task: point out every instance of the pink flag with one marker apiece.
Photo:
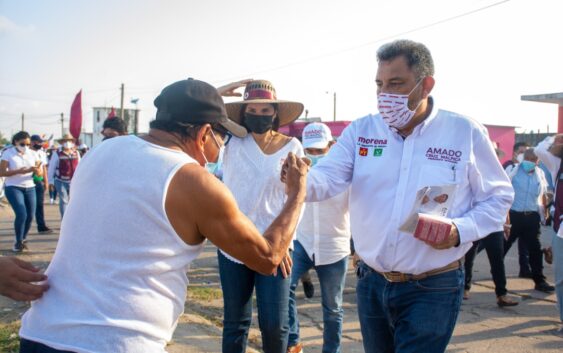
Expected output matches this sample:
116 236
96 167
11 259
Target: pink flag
75 125
112 113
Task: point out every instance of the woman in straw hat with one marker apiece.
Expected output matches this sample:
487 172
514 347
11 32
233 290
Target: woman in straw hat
251 171
62 165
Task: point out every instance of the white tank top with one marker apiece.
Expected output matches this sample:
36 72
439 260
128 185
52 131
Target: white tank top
118 277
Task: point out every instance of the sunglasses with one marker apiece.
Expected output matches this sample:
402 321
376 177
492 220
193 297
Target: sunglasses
24 144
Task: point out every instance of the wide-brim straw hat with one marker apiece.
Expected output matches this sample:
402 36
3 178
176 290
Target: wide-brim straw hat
262 91
66 137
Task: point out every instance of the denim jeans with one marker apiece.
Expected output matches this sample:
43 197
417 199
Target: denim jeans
63 189
408 317
494 245
557 247
331 278
39 212
22 201
27 346
272 300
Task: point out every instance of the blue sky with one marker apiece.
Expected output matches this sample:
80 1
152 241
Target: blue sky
308 49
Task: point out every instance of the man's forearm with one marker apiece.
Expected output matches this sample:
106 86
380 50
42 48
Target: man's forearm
280 233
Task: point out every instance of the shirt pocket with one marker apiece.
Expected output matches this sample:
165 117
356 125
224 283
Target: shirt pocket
433 174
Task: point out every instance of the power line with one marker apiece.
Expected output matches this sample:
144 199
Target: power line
320 56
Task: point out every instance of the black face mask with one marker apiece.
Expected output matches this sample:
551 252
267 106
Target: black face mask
258 124
36 147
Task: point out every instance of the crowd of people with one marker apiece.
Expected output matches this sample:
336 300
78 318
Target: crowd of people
276 207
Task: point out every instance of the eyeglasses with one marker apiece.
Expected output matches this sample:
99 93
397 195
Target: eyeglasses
226 138
224 134
24 144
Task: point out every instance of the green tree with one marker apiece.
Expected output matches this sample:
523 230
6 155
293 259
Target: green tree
3 140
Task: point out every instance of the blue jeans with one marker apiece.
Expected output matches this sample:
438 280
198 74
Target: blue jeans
63 189
272 299
331 278
557 247
27 346
415 316
22 201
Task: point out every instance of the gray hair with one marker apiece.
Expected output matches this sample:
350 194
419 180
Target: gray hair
417 55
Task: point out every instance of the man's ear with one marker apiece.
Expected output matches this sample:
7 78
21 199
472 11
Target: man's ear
427 86
203 134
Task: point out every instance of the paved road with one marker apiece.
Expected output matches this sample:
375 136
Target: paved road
482 326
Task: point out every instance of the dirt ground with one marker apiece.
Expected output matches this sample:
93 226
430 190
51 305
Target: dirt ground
482 326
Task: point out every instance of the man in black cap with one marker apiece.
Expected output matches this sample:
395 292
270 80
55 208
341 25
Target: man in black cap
41 184
141 210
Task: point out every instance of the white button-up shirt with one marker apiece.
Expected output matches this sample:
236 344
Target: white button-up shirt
385 171
324 230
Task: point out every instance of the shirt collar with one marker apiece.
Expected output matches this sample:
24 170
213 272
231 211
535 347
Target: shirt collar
424 125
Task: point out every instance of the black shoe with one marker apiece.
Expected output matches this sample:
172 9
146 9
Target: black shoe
45 230
309 289
18 248
525 275
544 287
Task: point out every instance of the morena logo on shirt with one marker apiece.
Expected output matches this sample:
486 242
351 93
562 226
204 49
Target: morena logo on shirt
372 141
443 154
366 143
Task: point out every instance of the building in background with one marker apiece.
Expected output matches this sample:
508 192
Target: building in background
553 98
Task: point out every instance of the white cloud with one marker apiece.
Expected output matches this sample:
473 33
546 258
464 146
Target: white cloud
8 26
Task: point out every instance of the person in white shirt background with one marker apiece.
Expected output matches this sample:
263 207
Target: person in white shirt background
550 152
18 164
41 184
409 291
323 243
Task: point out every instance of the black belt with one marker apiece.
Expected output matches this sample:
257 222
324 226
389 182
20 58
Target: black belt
525 213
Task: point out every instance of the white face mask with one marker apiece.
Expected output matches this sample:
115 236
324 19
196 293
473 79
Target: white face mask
22 149
68 145
394 108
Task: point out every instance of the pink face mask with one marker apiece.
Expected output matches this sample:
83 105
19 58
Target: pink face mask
394 108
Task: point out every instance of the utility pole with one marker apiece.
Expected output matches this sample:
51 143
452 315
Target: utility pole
23 118
62 125
122 95
334 108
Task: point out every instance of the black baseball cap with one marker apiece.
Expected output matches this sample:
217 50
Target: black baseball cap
194 102
36 138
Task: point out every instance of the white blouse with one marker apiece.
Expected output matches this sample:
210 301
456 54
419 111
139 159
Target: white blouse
254 179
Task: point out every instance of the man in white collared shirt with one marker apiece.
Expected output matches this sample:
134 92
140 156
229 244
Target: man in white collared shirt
323 243
409 291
